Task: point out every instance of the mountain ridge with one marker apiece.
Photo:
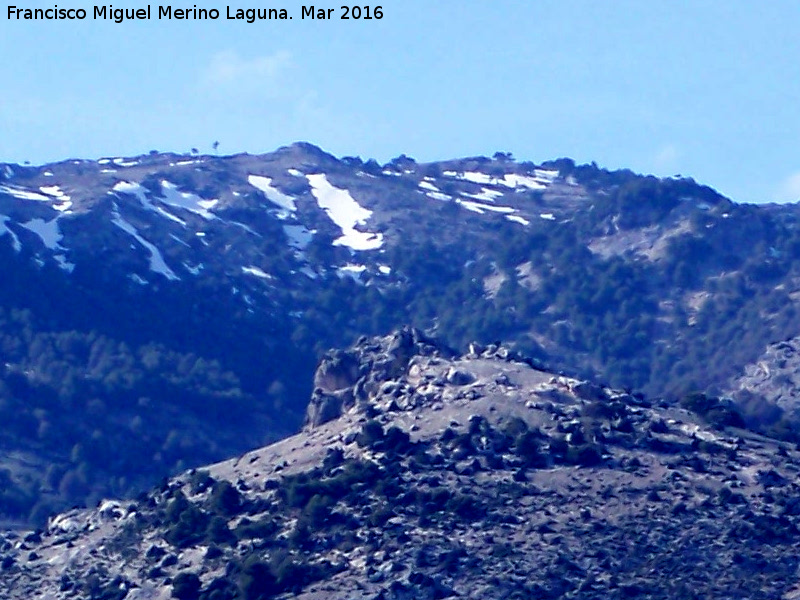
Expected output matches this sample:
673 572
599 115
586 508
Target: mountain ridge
144 293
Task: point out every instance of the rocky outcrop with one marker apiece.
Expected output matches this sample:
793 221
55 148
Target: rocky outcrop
773 378
356 376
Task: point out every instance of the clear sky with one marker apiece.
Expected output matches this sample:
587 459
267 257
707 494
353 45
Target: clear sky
707 89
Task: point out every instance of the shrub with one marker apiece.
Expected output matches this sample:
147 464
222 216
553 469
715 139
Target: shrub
585 455
257 581
218 531
265 529
185 586
225 499
371 435
528 449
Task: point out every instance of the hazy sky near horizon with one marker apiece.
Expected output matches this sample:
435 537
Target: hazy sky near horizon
708 89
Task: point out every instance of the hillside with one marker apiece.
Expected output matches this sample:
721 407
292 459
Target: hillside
424 473
165 311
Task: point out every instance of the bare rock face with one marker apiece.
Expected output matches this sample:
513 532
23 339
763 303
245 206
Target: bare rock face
337 371
773 378
346 378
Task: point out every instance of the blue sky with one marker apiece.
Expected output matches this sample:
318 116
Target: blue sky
707 89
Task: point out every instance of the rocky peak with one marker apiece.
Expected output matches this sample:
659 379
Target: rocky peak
353 378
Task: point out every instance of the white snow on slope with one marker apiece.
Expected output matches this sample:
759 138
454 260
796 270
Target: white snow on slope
23 194
157 263
546 174
547 216
480 208
5 230
299 236
518 219
481 178
125 163
513 180
194 270
486 195
251 270
425 185
509 180
439 196
343 210
274 195
50 234
47 231
191 202
50 193
140 192
351 270
55 192
294 173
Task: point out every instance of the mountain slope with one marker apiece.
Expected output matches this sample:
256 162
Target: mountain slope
422 473
164 311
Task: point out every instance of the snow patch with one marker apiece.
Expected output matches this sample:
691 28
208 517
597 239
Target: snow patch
157 263
191 202
386 270
509 180
48 232
428 186
5 230
343 210
486 195
23 194
251 270
351 270
547 216
480 208
121 162
546 174
518 219
134 189
55 192
439 196
513 180
477 177
295 173
274 195
194 270
299 236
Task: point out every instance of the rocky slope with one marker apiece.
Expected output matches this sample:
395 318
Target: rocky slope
774 379
424 473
